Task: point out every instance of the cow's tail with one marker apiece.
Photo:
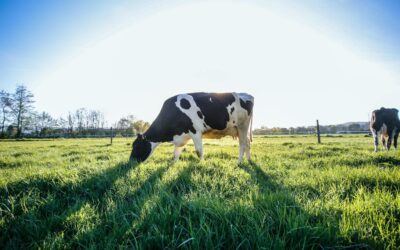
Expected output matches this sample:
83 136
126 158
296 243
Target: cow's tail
251 127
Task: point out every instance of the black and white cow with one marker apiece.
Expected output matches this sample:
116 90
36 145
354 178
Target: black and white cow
197 115
385 122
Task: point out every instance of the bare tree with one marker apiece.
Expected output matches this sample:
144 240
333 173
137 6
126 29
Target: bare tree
86 117
125 122
94 119
61 123
33 121
22 105
5 106
80 116
102 120
45 121
71 122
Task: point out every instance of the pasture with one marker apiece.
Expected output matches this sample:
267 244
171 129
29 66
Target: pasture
83 193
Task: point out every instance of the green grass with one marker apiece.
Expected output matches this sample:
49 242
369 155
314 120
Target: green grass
82 193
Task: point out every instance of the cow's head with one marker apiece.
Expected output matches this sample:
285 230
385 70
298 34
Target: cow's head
141 149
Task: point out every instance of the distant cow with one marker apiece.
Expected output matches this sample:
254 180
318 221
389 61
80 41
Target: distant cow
385 122
197 115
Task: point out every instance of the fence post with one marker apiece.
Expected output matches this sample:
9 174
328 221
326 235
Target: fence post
318 133
111 136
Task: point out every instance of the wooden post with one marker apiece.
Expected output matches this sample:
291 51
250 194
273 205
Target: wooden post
111 137
318 133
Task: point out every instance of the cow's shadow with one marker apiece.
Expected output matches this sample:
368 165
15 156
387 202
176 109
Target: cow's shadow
161 212
54 202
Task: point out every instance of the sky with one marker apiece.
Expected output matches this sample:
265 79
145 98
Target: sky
334 60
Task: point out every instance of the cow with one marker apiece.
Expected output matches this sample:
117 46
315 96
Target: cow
197 115
385 122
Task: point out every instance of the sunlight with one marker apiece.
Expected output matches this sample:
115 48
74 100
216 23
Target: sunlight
286 64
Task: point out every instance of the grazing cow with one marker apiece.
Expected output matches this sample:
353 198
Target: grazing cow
386 123
197 115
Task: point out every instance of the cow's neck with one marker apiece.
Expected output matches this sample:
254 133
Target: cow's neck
154 135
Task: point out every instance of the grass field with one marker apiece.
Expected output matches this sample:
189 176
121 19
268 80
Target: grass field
82 193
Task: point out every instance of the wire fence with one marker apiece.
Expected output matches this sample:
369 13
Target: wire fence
67 133
132 135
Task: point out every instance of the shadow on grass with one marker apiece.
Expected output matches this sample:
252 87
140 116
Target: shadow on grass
382 160
35 208
183 217
115 224
159 214
265 182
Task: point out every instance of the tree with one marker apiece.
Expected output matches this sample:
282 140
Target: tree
61 123
354 127
45 122
140 126
126 122
71 122
5 106
332 129
22 105
80 117
102 120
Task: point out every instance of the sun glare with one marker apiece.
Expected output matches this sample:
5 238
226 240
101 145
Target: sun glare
209 47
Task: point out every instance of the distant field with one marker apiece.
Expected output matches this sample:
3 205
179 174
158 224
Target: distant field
82 193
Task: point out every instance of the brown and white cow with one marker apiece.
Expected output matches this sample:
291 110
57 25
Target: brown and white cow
197 115
386 123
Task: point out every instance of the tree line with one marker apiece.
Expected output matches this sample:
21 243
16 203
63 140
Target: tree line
328 129
19 118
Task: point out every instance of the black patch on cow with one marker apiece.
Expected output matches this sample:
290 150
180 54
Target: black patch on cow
141 149
185 104
200 114
215 112
248 105
232 109
389 117
170 121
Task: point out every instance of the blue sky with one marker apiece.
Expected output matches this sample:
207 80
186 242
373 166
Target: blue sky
265 47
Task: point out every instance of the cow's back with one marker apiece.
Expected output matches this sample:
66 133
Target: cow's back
385 117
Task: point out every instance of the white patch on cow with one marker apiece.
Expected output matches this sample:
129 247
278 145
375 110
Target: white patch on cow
153 146
191 112
383 129
181 140
210 99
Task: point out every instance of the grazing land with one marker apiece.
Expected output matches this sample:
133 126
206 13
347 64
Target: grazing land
83 193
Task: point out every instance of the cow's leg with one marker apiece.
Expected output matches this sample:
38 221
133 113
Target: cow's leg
198 145
383 141
396 136
177 152
242 147
391 134
244 143
375 135
248 155
179 141
389 142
